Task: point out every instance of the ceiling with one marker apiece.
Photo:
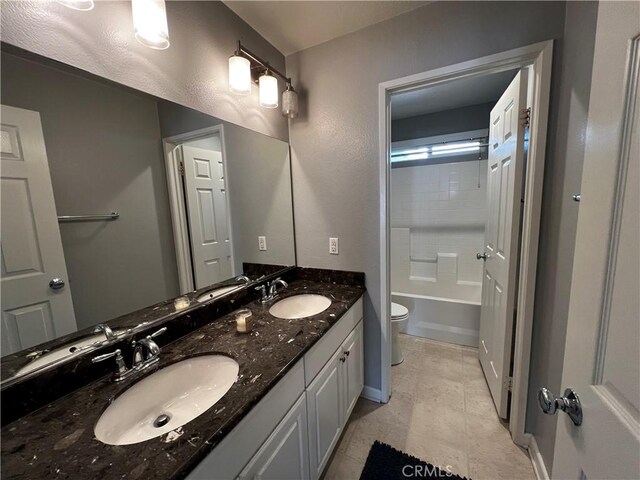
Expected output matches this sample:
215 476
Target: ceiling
291 26
450 95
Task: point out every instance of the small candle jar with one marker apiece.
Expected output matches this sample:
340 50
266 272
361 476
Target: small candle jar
181 303
244 320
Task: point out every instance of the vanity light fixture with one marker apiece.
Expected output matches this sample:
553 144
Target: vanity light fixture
239 75
290 102
150 23
268 85
83 5
246 67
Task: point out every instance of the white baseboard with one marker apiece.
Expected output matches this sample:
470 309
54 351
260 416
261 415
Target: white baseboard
373 394
539 467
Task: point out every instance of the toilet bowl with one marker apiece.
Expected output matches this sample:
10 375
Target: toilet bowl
399 319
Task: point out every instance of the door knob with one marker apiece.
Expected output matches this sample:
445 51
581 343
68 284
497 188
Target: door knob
56 283
569 404
482 256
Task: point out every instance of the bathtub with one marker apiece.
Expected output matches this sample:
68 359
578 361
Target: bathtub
444 319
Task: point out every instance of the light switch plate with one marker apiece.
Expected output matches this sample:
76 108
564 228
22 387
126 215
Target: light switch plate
333 246
262 243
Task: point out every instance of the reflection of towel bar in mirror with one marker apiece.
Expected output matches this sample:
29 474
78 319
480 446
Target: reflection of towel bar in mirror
88 218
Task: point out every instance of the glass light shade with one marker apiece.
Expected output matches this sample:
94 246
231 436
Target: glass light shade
268 91
83 5
150 23
290 103
239 75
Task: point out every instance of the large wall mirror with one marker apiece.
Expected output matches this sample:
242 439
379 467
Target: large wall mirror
114 201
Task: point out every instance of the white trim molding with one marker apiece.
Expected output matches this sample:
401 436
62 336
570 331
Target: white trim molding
539 468
538 58
373 394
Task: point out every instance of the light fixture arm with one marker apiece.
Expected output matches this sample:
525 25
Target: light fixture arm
242 51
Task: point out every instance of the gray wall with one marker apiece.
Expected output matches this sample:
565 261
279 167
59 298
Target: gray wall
335 140
474 117
259 183
192 72
567 132
104 152
259 172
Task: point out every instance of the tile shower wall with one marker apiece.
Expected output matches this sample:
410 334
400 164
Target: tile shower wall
444 208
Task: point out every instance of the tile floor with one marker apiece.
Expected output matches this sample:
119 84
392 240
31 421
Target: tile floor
441 412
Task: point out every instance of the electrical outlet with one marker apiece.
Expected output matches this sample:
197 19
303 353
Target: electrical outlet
262 244
333 246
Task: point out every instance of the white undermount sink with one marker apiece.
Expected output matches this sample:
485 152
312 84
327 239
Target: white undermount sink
300 306
64 353
166 399
218 292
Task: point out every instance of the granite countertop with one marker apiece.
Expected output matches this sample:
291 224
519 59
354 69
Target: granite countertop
57 441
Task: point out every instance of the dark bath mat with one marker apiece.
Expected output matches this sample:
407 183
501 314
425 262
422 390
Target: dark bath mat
386 463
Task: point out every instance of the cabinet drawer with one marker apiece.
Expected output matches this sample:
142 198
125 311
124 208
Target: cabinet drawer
321 352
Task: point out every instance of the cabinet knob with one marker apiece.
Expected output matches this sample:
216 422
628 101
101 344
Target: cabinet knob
343 359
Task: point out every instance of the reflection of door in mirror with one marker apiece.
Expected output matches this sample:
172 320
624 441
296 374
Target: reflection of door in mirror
207 210
35 308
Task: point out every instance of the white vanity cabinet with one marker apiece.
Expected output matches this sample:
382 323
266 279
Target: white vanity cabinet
285 454
353 369
292 431
331 398
325 409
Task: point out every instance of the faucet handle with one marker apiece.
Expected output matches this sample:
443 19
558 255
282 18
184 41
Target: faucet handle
116 353
158 332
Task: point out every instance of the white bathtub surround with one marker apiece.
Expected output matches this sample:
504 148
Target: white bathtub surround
452 321
438 216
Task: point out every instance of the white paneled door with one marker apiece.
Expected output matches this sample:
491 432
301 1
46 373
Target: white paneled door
208 215
504 187
602 351
33 311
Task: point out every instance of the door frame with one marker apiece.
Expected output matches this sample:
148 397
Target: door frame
538 57
179 218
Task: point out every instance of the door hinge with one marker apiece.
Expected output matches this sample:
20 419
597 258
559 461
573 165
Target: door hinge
508 383
526 117
181 169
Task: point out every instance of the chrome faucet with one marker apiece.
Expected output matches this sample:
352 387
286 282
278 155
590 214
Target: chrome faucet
106 329
243 278
273 290
146 351
122 371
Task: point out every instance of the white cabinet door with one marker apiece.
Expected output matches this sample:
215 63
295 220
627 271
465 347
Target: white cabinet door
353 369
285 454
325 408
32 310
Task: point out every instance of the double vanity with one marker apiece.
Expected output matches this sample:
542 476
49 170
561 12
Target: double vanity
154 322
212 402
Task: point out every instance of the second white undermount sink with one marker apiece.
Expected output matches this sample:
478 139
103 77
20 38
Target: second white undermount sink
65 352
218 292
167 399
300 306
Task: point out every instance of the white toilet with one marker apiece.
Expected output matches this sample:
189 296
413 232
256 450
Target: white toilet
399 319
